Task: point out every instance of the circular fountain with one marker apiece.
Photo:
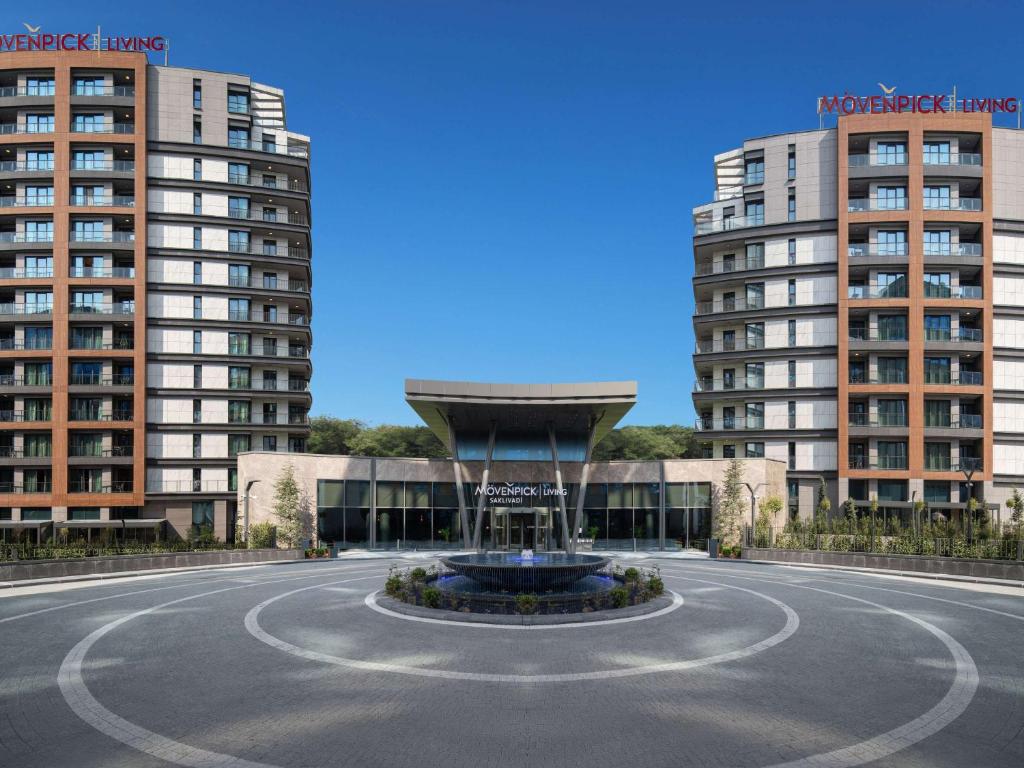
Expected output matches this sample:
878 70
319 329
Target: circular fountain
518 573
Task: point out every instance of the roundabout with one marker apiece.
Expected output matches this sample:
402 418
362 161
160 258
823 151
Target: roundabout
302 666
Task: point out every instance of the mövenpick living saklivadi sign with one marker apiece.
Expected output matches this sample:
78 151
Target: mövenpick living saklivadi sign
518 494
928 103
36 40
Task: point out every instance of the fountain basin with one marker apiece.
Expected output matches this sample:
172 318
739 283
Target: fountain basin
509 572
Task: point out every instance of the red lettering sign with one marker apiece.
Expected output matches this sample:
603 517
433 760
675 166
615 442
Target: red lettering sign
928 103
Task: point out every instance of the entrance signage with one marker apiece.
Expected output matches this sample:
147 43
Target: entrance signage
518 494
928 103
35 40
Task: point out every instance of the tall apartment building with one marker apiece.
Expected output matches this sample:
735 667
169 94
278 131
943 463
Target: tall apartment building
154 290
858 309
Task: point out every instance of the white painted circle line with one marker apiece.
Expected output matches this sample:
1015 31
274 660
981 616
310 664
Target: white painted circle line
254 628
371 602
85 705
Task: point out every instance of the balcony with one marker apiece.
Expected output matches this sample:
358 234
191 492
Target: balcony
952 249
952 158
23 416
254 250
960 204
878 420
91 414
743 344
39 487
269 148
122 91
738 424
972 335
898 291
119 344
7 129
861 204
251 214
10 452
87 486
26 237
882 462
857 377
103 201
118 128
91 451
255 316
102 237
120 273
23 310
7 345
742 384
97 380
862 250
40 90
292 286
724 267
740 304
727 224
970 292
190 486
874 334
20 166
964 421
36 201
270 182
38 273
268 385
117 166
961 379
121 309
23 381
886 159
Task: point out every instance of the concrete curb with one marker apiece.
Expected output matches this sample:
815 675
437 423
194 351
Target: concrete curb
891 572
147 572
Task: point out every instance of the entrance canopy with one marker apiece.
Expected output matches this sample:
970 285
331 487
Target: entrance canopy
519 412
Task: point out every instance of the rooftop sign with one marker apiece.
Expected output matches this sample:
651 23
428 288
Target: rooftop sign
35 40
928 103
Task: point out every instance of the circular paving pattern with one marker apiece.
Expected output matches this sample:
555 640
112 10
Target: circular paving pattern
298 666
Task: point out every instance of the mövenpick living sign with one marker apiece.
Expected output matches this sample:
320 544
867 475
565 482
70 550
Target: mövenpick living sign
36 40
928 103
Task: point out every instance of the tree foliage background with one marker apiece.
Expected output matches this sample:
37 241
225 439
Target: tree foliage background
331 435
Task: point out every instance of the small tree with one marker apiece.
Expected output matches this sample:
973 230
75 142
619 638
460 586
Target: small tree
822 508
850 513
730 506
767 518
288 508
1016 505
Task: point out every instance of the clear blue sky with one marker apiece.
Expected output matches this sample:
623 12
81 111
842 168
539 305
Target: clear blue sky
502 188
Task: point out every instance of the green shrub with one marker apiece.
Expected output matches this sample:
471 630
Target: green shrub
393 584
655 585
631 575
262 535
418 574
432 597
526 604
619 597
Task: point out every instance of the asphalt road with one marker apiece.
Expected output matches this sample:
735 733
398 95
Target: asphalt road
288 666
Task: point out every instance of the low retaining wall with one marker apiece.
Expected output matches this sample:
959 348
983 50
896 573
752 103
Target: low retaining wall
92 566
945 566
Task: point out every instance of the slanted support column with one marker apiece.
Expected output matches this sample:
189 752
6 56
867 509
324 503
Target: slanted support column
459 490
582 495
478 530
563 515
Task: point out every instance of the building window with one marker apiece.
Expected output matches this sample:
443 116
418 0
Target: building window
792 205
754 211
793 497
197 308
38 123
754 171
792 455
792 333
197 204
197 446
791 162
238 173
197 170
197 94
937 153
792 374
755 416
197 131
197 479
197 272
729 451
792 293
45 86
792 415
792 251
197 238
197 342
238 138
891 153
197 411
238 343
197 377
754 450
232 479
202 516
238 103
270 280
238 241
237 444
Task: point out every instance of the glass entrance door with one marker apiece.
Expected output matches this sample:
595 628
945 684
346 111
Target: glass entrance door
518 528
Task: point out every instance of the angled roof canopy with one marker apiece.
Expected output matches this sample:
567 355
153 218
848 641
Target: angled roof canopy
519 408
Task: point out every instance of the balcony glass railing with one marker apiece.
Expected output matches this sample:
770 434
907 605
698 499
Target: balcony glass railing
120 128
705 384
26 237
875 334
102 237
882 462
104 201
268 147
740 304
859 250
878 420
117 272
933 291
38 380
267 182
728 224
952 158
945 204
727 266
9 273
754 177
26 309
898 291
18 166
952 249
118 166
96 308
13 128
864 159
36 201
894 377
127 91
707 346
10 91
858 204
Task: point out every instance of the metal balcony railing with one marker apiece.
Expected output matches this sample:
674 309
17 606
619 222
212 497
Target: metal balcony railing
96 451
26 309
898 291
9 273
104 201
10 380
707 384
724 267
115 272
882 462
861 160
102 237
269 182
10 452
960 204
98 380
739 304
860 250
33 416
119 128
9 344
26 237
118 166
878 420
35 201
40 487
90 414
103 90
858 204
88 486
952 249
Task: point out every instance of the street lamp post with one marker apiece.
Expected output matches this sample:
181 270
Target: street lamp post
753 502
968 467
245 511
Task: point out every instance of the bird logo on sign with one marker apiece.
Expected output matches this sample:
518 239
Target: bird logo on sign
31 29
887 91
